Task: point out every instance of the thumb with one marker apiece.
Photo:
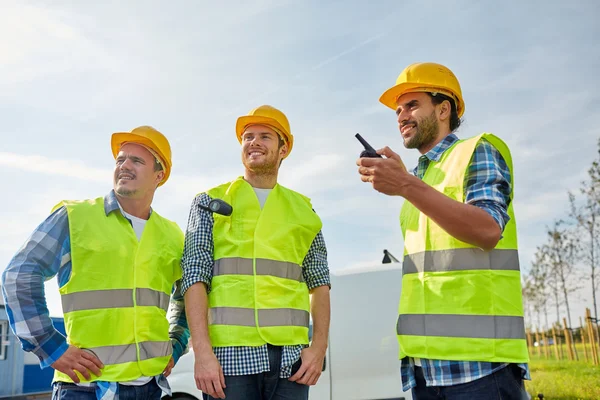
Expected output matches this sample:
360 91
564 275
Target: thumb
388 153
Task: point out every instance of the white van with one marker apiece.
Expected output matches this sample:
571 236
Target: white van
362 358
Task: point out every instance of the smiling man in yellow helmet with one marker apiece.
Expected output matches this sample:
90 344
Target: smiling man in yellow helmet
251 273
460 326
117 262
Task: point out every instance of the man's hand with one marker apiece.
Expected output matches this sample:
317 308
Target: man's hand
75 359
387 175
311 368
169 367
209 374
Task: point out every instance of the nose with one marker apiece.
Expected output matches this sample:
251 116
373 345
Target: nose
403 116
127 164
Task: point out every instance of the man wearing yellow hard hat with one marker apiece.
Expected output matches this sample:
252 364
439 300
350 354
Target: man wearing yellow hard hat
247 276
460 326
117 261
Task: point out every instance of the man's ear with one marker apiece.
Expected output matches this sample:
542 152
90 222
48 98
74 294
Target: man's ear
283 150
444 110
159 177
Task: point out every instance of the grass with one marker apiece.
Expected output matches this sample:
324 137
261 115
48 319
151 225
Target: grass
563 379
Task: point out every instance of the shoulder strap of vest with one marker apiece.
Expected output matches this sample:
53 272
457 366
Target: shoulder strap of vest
296 194
502 148
222 189
74 203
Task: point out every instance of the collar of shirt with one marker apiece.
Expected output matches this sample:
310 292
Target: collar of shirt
436 152
111 203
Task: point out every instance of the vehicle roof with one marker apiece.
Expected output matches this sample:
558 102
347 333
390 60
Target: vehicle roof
361 269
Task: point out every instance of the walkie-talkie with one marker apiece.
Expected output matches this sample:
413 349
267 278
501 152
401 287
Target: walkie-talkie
218 206
369 151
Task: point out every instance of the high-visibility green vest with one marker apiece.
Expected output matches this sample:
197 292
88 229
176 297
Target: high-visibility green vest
258 292
116 300
459 302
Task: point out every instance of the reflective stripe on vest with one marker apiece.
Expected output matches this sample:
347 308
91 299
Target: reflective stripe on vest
243 266
113 298
462 326
460 260
111 355
266 317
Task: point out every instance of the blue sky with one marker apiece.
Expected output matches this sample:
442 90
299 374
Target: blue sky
72 72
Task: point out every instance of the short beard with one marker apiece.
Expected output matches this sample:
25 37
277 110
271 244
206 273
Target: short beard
266 169
427 132
262 170
125 192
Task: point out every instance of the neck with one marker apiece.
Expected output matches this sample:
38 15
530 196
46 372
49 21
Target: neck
441 136
261 180
137 207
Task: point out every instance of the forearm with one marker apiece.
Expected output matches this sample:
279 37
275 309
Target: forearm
196 308
38 260
321 314
32 325
178 327
465 222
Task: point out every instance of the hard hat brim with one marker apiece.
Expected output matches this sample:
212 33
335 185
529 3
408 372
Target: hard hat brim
390 96
243 122
117 139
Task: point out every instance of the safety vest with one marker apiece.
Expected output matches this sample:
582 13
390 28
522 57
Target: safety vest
258 293
459 302
116 300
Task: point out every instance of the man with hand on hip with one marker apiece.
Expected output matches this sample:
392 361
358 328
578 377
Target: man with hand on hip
117 262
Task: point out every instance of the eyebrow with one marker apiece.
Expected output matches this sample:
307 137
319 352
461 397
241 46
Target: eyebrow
259 133
409 104
132 158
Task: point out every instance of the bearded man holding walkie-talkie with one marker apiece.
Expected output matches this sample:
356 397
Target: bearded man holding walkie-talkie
247 276
460 326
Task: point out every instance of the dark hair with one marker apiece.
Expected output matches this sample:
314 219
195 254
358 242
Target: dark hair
439 99
157 165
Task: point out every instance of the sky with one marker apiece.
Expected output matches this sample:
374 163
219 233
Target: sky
73 72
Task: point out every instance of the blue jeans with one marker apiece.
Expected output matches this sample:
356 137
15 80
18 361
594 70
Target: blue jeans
504 384
70 391
266 385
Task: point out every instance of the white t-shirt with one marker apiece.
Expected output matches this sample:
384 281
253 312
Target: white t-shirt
262 195
138 224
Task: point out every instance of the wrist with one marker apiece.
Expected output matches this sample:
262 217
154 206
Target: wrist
203 348
320 346
408 186
51 350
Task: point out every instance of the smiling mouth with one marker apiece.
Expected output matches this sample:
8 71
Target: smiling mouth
126 177
406 128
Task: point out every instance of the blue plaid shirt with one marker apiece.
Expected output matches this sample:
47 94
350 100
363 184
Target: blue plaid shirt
45 254
197 263
487 186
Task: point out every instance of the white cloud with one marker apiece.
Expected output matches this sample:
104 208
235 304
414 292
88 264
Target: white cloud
48 166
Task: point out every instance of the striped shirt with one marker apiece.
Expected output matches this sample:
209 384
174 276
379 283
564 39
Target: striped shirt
197 263
47 253
487 186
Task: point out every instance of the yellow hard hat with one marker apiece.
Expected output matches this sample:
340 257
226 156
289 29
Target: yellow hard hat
425 77
150 138
269 116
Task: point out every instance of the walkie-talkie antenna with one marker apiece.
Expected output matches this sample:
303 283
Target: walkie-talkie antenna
369 151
